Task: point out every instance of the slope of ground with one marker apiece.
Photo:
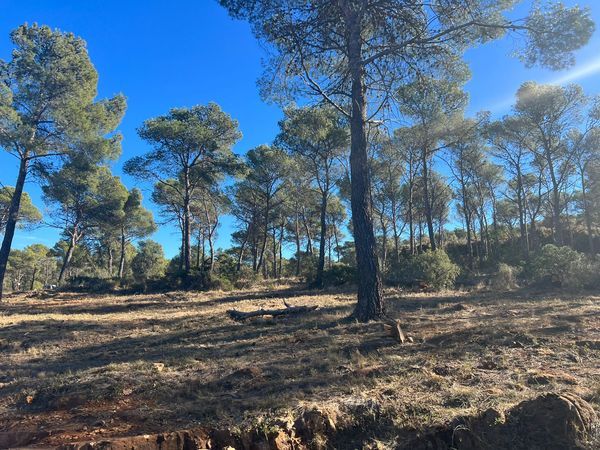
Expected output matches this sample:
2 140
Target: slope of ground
81 367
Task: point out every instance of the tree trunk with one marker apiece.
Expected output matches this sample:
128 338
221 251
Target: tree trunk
309 246
323 237
395 232
274 251
411 217
122 255
524 237
242 248
281 231
556 225
337 243
265 235
586 212
428 202
13 216
33 278
370 303
68 255
297 238
187 249
110 262
198 244
211 252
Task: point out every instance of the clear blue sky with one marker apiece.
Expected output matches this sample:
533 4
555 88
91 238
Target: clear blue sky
181 53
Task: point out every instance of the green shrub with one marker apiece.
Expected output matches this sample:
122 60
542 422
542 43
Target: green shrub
245 278
216 282
437 270
505 277
339 275
557 265
309 267
433 269
93 284
585 273
149 262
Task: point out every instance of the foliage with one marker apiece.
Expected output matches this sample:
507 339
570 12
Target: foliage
84 283
505 277
432 269
149 262
31 268
191 151
339 275
29 215
565 267
554 264
48 111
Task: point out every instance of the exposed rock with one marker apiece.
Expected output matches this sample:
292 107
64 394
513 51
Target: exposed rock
547 422
180 440
314 427
552 421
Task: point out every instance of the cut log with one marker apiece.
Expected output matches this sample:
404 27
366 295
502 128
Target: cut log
290 310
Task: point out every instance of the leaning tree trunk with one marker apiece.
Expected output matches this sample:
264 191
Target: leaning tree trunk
242 249
122 254
68 255
370 303
11 223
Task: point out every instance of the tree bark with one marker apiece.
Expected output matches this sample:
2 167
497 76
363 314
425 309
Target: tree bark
587 215
68 255
187 249
110 261
298 251
428 202
13 217
33 275
370 303
524 238
322 243
242 248
265 234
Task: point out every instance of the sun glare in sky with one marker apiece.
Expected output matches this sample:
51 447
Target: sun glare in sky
576 73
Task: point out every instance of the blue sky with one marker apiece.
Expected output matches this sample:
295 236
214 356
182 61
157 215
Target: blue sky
187 52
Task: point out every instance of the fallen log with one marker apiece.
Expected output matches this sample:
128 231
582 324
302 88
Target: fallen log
289 310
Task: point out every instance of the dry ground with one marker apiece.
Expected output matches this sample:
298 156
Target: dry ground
84 366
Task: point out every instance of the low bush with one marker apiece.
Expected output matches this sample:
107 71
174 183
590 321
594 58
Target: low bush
215 282
339 275
555 264
92 284
505 277
434 269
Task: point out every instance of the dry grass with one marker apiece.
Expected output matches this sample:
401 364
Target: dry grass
90 366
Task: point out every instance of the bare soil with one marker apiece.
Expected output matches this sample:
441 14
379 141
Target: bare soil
85 367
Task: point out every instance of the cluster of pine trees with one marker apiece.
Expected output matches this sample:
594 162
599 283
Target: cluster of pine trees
484 191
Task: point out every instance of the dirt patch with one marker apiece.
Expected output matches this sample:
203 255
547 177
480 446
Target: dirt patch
550 421
99 367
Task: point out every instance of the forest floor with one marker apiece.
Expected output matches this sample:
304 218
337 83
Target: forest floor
84 367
